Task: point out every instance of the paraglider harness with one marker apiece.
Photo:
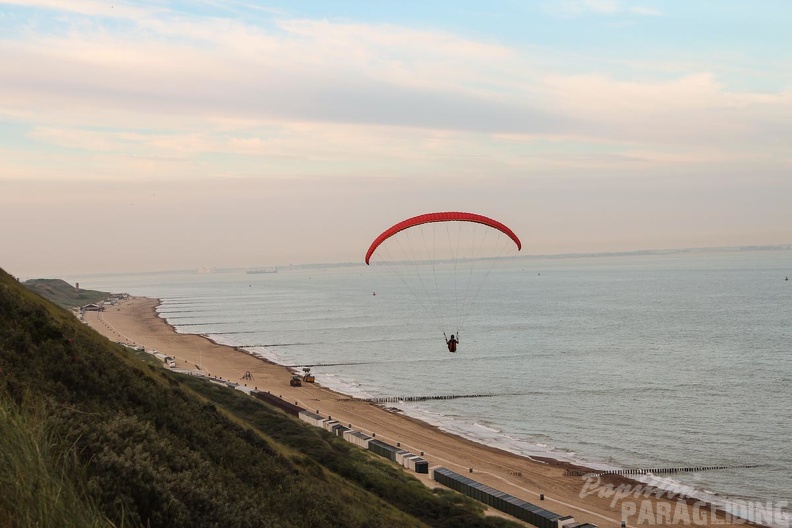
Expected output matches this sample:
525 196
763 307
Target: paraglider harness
452 343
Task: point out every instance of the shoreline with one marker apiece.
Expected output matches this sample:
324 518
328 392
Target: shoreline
136 321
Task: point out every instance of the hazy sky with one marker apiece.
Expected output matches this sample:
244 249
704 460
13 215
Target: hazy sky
156 135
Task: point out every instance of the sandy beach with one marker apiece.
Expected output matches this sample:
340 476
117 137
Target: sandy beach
135 321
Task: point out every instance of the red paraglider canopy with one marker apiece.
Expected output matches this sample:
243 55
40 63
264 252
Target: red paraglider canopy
441 217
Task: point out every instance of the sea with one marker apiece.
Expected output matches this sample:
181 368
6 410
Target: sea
648 360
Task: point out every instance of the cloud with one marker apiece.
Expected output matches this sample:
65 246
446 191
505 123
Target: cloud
92 8
693 109
644 10
229 97
575 8
312 73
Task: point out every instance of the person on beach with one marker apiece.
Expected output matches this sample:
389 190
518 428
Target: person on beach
452 343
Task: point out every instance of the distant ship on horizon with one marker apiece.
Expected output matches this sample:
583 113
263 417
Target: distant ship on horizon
271 270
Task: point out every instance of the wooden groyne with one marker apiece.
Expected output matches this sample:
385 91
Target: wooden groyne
397 399
325 364
654 471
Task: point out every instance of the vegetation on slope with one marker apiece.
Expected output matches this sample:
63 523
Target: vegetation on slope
64 294
103 438
38 488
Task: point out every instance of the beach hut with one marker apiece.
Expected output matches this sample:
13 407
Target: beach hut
329 424
504 502
312 418
357 438
384 450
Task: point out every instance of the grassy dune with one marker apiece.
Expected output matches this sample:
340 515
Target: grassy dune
64 294
37 480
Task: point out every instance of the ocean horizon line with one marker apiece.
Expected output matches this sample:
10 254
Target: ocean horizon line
348 264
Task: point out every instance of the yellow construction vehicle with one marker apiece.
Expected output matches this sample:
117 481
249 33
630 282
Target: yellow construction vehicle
308 377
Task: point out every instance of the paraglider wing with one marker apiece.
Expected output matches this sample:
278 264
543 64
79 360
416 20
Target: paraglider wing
441 217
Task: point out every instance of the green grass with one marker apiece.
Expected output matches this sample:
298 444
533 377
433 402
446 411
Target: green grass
38 470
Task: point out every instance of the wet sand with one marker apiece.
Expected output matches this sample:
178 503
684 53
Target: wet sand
135 321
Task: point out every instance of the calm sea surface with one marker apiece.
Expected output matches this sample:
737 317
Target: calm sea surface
681 359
